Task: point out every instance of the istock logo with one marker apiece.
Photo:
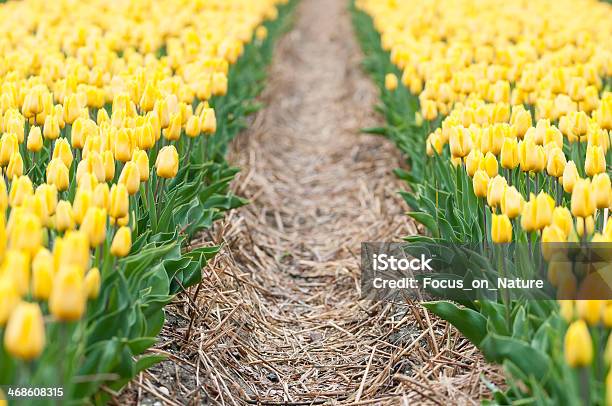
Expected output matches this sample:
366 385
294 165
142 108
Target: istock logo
385 262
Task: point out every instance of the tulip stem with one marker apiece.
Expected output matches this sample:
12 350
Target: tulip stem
584 385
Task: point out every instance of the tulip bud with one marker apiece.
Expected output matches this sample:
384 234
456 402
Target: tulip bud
58 175
495 191
122 243
590 310
15 166
149 96
141 159
595 160
602 190
167 162
509 153
25 232
72 249
208 123
501 229
130 177
62 151
35 140
512 202
101 196
72 109
562 218
434 143
9 298
94 225
390 82
64 216
570 176
556 163
123 146
480 183
67 301
119 201
472 161
42 274
93 283
82 201
578 345
24 337
583 202
173 131
460 142
109 165
51 128
489 165
545 205
20 188
9 145
192 129
520 121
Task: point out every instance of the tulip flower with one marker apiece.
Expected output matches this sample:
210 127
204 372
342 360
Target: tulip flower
9 145
585 226
123 146
578 345
130 177
64 216
149 96
173 131
434 143
545 205
108 160
42 274
25 232
495 191
501 229
472 161
101 196
208 121
583 199
24 337
72 109
67 301
489 165
391 82
9 298
58 174
94 225
460 142
562 218
122 242
512 202
570 176
595 160
590 311
566 309
509 153
602 190
20 188
167 162
556 163
119 201
51 129
480 183
93 283
15 166
141 159
35 140
72 249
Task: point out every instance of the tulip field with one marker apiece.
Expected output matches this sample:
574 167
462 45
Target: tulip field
115 117
505 112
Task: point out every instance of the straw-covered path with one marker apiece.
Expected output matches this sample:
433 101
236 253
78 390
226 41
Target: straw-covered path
278 319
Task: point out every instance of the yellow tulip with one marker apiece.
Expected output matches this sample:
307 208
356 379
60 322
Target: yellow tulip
149 96
391 82
72 109
578 345
173 131
472 161
429 110
521 121
71 249
585 224
9 298
25 232
101 196
434 143
51 128
15 166
595 160
67 301
208 121
141 159
93 283
489 165
58 174
545 205
570 176
583 202
562 218
192 129
167 162
480 183
62 151
512 202
94 225
567 309
495 191
64 216
529 215
460 142
602 189
108 160
42 274
122 242
9 145
4 198
35 140
501 229
24 337
119 201
82 201
123 146
20 188
551 236
590 310
556 163
509 153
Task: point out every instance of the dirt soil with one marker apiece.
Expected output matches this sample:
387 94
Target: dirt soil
278 318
